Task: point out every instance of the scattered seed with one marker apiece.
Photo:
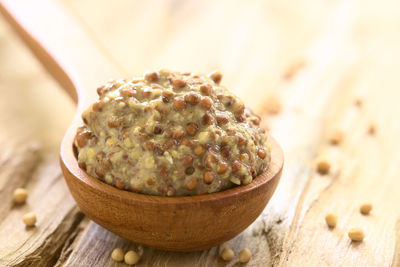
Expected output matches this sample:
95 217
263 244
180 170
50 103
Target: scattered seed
131 257
371 128
366 208
117 254
20 195
358 102
323 166
331 219
272 105
29 219
356 234
227 254
293 69
336 137
244 255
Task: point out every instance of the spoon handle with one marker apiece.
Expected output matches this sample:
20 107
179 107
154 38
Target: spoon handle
62 46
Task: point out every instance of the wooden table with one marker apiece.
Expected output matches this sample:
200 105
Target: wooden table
330 64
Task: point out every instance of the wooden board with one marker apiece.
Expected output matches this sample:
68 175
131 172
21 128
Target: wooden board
317 57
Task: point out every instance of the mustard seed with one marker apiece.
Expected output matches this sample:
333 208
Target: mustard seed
227 254
323 166
117 254
244 255
331 219
29 219
371 128
179 83
216 76
20 195
131 257
336 137
366 208
356 234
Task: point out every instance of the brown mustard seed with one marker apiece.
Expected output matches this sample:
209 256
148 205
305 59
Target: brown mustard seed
221 119
96 106
192 184
331 219
117 254
131 257
208 177
216 76
205 89
227 254
365 208
222 167
152 76
323 166
187 160
179 104
20 195
82 138
261 153
178 133
336 137
178 83
29 219
206 103
191 128
192 99
244 255
114 122
128 92
356 234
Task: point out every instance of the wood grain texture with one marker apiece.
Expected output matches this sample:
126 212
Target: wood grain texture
348 50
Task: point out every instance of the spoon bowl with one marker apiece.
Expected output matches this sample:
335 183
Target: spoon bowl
169 223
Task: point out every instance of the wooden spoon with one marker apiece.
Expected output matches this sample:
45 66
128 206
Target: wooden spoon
169 223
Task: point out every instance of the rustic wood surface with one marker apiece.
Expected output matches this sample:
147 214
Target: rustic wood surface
318 58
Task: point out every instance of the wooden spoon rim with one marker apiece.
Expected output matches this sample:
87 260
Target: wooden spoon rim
70 162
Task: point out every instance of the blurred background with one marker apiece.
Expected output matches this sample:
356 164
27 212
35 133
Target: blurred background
308 67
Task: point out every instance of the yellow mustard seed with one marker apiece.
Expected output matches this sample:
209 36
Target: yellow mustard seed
20 195
331 219
131 257
336 137
323 166
29 219
244 255
117 254
366 208
227 254
356 234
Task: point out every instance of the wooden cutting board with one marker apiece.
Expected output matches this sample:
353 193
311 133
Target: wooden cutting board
318 59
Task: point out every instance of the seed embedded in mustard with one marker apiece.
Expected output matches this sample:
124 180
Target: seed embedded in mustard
117 254
227 254
365 208
20 195
244 255
356 234
331 219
